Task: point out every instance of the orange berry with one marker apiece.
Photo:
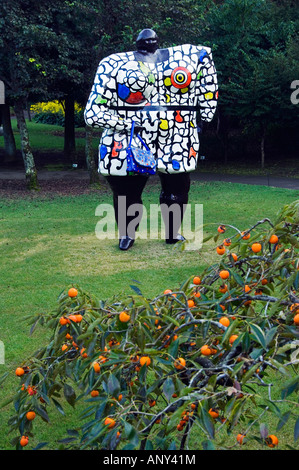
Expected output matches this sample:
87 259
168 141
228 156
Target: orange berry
234 256
233 338
240 438
224 321
294 308
167 291
221 228
296 319
72 292
223 288
145 360
256 247
206 350
64 347
180 363
31 391
124 317
214 413
247 289
83 353
73 318
30 415
24 441
191 303
63 321
227 242
110 422
20 371
78 318
96 367
196 280
94 393
271 440
134 358
224 274
152 403
273 239
245 237
220 250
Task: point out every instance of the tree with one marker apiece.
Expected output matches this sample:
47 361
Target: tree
253 42
24 37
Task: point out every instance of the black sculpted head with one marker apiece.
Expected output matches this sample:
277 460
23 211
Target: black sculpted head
147 40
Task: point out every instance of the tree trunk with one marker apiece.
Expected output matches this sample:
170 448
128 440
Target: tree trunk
90 158
30 169
29 112
9 139
69 129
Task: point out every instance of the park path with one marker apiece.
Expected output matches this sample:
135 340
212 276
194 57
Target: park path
79 174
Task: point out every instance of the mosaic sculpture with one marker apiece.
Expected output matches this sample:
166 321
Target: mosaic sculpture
162 90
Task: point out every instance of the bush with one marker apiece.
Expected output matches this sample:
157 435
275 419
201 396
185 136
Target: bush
52 113
152 370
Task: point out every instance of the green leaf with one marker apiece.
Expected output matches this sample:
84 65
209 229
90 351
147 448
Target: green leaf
69 394
258 334
283 420
131 434
290 387
237 278
58 406
229 331
113 385
3 378
136 290
249 373
207 422
296 430
270 335
208 445
168 388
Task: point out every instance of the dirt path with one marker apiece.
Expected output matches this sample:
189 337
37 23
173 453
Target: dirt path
76 181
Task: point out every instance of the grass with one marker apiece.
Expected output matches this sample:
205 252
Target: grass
46 137
288 168
49 242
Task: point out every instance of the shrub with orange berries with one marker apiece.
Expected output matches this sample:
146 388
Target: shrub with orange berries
147 372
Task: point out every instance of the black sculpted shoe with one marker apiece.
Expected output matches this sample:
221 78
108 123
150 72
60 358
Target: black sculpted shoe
125 243
178 238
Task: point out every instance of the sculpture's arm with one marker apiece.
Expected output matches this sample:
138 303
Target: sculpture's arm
208 87
97 112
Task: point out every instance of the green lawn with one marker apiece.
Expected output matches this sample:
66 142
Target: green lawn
46 137
49 242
